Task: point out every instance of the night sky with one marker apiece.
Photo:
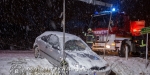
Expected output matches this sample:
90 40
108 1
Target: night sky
21 21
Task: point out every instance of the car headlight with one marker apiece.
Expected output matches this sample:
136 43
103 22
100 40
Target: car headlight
83 68
107 46
107 65
75 65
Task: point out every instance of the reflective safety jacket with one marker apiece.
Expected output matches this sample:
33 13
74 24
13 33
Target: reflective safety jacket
142 44
89 38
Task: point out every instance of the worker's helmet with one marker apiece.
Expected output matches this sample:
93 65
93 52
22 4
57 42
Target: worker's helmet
89 29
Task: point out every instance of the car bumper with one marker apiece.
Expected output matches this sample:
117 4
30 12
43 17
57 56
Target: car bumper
89 72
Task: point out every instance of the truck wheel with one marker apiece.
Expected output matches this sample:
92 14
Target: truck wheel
119 53
122 52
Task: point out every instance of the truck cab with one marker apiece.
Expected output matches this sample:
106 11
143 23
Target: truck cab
112 33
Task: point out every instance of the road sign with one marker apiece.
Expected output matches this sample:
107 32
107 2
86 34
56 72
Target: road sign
145 30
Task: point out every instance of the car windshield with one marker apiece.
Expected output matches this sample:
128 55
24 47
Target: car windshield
102 21
75 45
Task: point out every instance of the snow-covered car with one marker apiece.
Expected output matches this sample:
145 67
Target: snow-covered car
78 55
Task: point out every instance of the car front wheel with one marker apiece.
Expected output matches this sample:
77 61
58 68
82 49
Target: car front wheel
36 52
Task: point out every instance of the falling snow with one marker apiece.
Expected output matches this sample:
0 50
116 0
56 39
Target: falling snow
22 21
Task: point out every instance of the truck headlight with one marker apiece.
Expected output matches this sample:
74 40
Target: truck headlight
113 44
107 46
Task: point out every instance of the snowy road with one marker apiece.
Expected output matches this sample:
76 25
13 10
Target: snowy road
12 63
21 61
132 66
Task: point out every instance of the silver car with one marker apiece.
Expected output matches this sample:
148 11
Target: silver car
81 60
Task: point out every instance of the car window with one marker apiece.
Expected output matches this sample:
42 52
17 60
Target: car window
52 40
75 45
44 38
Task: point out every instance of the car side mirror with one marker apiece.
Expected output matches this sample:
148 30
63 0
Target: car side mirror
56 47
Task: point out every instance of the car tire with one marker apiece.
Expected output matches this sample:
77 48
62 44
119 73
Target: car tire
36 52
122 52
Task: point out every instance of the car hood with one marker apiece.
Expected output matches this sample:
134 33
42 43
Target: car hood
86 59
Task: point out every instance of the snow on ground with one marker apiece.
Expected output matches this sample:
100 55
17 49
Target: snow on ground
18 63
132 66
12 63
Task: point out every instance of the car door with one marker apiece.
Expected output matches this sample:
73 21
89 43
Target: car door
41 42
52 48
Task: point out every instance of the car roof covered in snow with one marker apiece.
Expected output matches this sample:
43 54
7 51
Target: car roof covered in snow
59 34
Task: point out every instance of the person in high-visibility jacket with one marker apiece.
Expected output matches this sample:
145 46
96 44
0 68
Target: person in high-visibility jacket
90 37
142 47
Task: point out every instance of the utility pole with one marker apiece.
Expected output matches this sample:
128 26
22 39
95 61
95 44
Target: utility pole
63 29
109 28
